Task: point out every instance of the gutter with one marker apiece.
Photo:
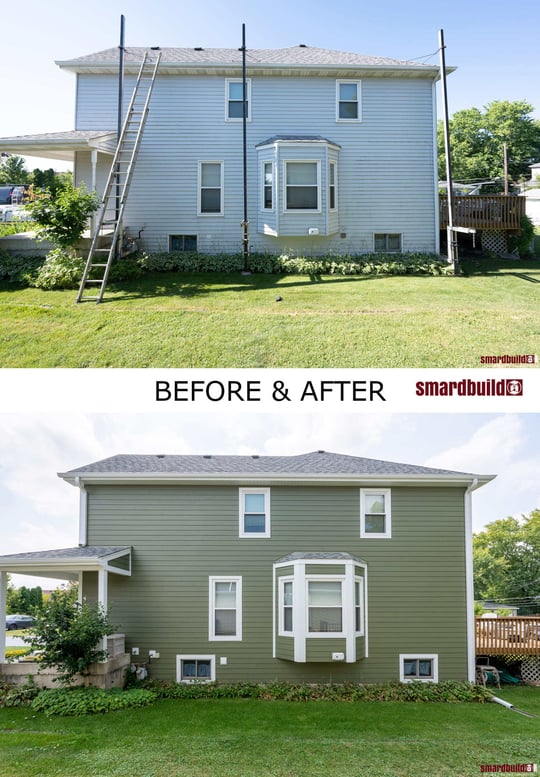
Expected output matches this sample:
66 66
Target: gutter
469 583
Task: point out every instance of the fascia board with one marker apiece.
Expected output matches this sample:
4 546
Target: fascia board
97 478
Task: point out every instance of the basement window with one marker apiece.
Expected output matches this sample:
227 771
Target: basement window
182 242
420 668
195 669
387 242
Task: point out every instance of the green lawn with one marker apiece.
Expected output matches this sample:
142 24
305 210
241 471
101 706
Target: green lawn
213 320
247 738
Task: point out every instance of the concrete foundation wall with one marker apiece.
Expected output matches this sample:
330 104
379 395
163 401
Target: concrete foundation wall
109 674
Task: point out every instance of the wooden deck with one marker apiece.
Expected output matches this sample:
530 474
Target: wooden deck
480 211
519 635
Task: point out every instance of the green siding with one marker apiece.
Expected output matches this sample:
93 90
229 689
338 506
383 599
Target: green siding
183 534
320 650
285 648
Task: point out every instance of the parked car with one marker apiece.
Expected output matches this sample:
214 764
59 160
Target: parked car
12 194
19 622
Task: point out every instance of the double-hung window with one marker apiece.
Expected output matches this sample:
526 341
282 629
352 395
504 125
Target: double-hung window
254 512
234 99
348 96
325 606
332 186
286 614
268 186
302 185
375 513
225 612
211 188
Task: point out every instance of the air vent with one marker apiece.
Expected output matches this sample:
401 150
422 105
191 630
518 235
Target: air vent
160 456
207 456
255 456
302 46
198 48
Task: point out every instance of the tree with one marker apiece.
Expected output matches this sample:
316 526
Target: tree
68 634
12 170
50 180
28 601
477 139
507 562
62 217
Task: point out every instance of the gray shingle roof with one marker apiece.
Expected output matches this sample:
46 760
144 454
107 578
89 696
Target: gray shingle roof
67 554
297 139
316 462
317 556
292 55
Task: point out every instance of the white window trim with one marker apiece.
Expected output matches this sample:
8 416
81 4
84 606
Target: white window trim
263 187
202 162
390 233
281 605
361 632
359 100
433 657
234 120
267 529
345 606
183 657
333 163
318 209
388 506
212 636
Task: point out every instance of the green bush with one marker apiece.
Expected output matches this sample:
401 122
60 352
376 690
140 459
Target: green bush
19 269
62 269
89 701
62 217
18 695
447 691
522 242
8 228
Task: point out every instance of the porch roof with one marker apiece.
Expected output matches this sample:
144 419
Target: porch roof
60 145
66 563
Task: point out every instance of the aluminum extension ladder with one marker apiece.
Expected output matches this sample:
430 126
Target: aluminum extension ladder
109 223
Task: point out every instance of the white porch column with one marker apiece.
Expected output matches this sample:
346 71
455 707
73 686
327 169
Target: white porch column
103 585
3 597
93 157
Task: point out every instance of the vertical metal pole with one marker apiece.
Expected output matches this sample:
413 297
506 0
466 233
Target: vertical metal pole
245 222
451 235
505 153
121 50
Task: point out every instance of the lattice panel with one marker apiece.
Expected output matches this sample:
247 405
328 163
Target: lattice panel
530 670
494 240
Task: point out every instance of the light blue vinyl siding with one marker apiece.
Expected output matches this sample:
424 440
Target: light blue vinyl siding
386 172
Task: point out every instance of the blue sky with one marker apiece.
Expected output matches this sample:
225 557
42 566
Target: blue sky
493 44
38 511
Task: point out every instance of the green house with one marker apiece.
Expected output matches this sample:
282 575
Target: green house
318 567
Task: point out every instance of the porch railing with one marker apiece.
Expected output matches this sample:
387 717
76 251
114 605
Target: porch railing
519 635
480 211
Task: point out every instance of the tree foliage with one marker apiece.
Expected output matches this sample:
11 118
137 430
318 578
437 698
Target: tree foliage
507 562
62 217
477 138
68 634
13 170
27 601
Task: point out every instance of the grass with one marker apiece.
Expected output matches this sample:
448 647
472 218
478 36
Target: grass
241 738
214 320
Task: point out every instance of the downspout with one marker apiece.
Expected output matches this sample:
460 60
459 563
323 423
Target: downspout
469 583
3 603
83 513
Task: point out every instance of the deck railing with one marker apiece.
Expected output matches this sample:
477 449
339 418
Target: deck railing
518 635
480 211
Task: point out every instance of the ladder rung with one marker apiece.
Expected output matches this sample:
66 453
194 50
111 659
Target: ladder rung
90 280
97 265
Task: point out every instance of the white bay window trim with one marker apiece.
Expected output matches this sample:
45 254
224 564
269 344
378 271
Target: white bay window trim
286 607
366 510
290 182
219 587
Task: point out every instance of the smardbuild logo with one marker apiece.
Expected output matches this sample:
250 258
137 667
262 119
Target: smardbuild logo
511 387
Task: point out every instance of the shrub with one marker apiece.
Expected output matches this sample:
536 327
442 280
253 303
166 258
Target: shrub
62 216
522 242
15 227
89 701
62 269
68 634
19 269
19 695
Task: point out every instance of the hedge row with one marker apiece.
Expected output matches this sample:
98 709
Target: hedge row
62 269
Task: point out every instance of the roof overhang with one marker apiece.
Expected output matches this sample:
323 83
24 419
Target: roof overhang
263 479
60 145
234 69
67 563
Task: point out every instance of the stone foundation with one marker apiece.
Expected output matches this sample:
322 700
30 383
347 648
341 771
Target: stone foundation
109 674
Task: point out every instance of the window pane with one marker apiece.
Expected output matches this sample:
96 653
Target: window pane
225 595
211 201
210 174
203 669
225 623
394 242
409 668
424 668
325 619
374 503
254 503
287 594
236 91
287 619
332 173
254 523
380 242
236 110
301 173
348 92
189 669
375 524
302 198
268 174
348 110
324 593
